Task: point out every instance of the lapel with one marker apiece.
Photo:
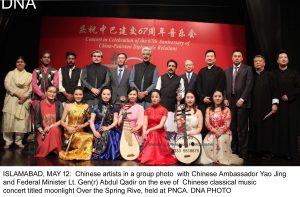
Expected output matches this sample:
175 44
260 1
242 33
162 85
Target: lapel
230 77
239 71
186 83
123 77
115 75
193 78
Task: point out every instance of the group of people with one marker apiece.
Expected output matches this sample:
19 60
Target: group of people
233 112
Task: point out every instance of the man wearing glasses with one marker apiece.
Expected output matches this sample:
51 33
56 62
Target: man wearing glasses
94 77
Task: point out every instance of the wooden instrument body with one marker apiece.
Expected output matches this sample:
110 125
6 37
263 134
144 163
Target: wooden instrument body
129 146
190 153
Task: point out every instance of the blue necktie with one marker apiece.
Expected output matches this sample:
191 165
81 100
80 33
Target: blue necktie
120 75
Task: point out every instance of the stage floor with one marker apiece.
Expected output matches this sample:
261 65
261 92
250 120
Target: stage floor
19 157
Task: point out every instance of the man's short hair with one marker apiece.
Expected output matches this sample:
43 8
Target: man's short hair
68 53
45 52
96 51
210 51
147 49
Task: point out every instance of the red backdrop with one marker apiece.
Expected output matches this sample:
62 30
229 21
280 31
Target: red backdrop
177 40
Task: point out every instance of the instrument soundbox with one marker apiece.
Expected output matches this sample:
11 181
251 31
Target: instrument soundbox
129 145
187 148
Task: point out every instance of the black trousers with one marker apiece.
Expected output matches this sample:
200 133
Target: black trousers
239 127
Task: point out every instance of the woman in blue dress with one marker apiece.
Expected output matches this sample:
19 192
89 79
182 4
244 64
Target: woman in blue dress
103 122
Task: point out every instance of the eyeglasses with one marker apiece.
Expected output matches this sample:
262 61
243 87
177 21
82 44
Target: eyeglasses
98 56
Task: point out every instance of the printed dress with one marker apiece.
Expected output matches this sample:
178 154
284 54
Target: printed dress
108 146
81 142
219 149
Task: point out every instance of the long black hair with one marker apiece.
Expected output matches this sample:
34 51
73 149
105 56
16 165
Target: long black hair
106 88
132 89
213 105
195 107
157 91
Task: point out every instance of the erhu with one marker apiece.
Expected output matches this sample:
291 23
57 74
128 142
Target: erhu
96 140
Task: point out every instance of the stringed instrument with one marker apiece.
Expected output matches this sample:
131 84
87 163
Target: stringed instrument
99 144
129 145
187 148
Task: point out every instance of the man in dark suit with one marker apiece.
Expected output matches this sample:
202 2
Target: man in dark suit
120 79
209 79
189 76
239 82
143 76
94 76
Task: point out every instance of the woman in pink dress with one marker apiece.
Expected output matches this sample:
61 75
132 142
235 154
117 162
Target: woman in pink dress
218 140
47 121
135 114
156 149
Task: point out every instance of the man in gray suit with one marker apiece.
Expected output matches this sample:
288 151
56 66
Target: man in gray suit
239 82
120 79
189 76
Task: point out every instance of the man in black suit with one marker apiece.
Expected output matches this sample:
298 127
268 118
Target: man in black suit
239 82
120 79
189 76
94 76
209 79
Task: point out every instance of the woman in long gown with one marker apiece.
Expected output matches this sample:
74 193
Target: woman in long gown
218 141
156 150
80 142
47 116
193 125
106 135
135 115
16 108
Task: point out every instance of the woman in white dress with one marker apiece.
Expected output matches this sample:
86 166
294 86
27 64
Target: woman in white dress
194 124
218 139
16 114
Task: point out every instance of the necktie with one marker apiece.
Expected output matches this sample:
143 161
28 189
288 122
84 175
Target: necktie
189 77
235 69
120 75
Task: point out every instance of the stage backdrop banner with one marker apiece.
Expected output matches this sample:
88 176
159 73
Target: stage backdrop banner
178 40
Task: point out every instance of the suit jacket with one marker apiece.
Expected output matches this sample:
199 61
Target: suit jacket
119 89
243 84
191 85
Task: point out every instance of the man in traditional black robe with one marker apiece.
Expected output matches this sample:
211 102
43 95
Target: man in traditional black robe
289 89
209 79
264 106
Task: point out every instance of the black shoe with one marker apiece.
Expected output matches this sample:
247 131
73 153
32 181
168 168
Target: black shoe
288 157
267 156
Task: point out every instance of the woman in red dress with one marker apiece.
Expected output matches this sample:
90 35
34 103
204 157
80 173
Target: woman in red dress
47 121
156 149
